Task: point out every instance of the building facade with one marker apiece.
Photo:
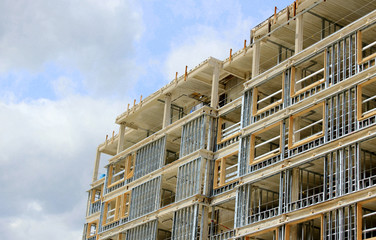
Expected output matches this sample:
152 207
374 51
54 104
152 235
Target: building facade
278 141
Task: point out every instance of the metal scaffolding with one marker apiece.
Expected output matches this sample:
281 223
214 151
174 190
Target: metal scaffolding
284 163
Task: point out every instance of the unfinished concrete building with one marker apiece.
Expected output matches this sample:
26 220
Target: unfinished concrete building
278 141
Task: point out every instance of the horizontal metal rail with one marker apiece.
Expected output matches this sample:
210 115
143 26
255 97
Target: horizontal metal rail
308 126
268 141
119 173
369 46
265 154
311 75
272 95
369 214
369 99
369 230
371 110
231 130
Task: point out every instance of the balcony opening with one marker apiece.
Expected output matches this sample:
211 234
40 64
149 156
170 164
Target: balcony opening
222 221
367 163
309 228
258 201
95 199
277 47
366 219
268 97
366 100
120 171
306 125
92 230
177 113
168 188
116 209
116 173
226 170
366 46
228 128
308 77
164 234
233 88
266 143
125 204
173 146
111 211
165 224
307 184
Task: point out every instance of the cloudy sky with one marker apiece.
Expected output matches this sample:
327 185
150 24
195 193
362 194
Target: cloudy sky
68 68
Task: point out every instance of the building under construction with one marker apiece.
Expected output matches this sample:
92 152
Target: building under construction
278 141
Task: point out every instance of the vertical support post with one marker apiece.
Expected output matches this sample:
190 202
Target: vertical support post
120 146
215 83
322 28
204 223
167 110
194 220
96 165
256 59
299 34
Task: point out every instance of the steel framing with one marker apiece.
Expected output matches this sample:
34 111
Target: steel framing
271 185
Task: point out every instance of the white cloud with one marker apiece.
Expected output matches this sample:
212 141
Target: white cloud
46 226
222 27
34 206
64 86
48 152
93 37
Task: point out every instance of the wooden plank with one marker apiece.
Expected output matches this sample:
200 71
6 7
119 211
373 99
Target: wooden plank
223 172
219 130
216 164
359 222
254 100
359 111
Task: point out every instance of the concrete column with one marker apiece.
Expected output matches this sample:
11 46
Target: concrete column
121 138
299 34
96 165
167 110
215 84
256 59
204 223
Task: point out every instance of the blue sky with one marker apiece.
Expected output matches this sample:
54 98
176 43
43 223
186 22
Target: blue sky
68 68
